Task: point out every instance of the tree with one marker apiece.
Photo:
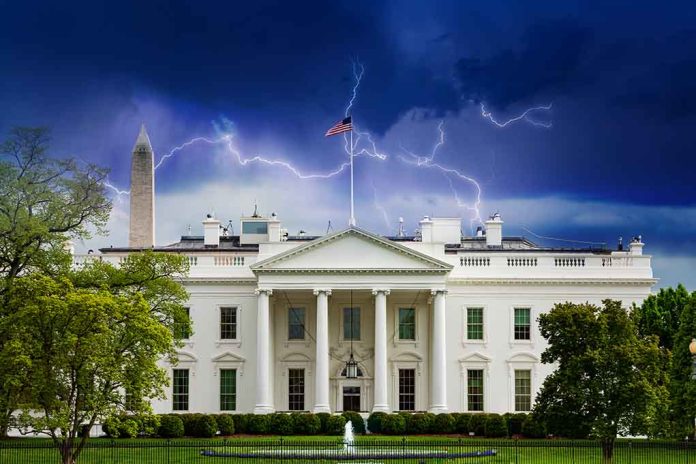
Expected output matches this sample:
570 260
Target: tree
608 376
43 203
660 314
93 338
682 385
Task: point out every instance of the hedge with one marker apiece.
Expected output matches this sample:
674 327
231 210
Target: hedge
394 424
225 424
259 424
532 428
241 423
495 426
462 423
374 422
170 426
514 422
323 420
357 421
335 425
306 424
282 424
131 426
443 423
477 424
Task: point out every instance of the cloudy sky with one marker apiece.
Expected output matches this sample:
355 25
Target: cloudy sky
614 154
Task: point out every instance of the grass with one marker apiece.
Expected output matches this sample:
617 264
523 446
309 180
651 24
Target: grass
185 451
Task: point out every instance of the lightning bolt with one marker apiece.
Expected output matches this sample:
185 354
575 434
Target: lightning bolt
525 116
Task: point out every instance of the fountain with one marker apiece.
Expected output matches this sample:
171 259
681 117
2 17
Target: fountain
350 451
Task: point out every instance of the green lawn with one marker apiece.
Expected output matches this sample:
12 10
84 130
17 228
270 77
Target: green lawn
155 451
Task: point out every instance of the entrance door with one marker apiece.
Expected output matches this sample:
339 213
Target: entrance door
351 399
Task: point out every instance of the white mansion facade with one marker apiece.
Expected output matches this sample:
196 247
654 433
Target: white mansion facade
435 321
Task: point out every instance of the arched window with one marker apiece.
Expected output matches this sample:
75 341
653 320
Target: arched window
360 372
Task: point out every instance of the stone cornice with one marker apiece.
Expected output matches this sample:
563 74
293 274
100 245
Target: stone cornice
351 271
549 281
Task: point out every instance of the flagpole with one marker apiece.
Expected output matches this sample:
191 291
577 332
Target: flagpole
351 221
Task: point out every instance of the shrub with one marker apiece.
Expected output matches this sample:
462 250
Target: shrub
306 424
417 424
128 428
241 423
514 423
532 427
374 422
225 424
188 420
323 419
282 424
259 424
110 426
462 424
394 424
204 426
443 423
170 426
477 424
335 425
357 420
148 424
495 426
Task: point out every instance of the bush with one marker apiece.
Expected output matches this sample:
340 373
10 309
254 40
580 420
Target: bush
477 424
128 428
170 426
514 423
394 424
188 420
306 424
225 424
374 422
495 426
259 424
462 423
241 423
204 426
417 424
443 424
532 427
335 425
282 424
357 420
323 419
148 424
110 427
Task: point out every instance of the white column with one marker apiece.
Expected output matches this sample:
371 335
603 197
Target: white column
264 402
321 390
438 352
381 403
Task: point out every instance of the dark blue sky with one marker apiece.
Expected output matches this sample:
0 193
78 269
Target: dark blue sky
619 158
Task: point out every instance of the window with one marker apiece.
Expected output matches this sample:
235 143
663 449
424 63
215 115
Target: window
228 389
351 323
254 227
407 389
180 390
522 324
407 324
474 323
228 323
296 389
474 381
181 330
523 390
296 323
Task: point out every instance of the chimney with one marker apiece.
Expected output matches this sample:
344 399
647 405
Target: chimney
211 231
142 193
273 228
494 231
426 228
636 246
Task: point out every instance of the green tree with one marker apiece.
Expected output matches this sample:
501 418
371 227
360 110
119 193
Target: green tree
608 376
43 203
93 339
660 314
682 384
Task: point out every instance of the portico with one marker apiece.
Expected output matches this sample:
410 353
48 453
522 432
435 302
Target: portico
364 295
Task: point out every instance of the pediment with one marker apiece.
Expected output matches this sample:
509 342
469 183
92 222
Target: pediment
228 357
185 356
296 357
476 358
523 357
351 250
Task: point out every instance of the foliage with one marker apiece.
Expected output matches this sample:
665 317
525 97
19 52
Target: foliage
393 424
171 426
608 377
204 426
533 427
357 420
259 424
443 423
306 423
462 423
495 426
225 424
374 422
323 418
241 423
282 424
682 385
335 425
659 314
477 424
418 423
514 422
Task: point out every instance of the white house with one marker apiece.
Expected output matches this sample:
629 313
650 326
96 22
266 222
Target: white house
435 322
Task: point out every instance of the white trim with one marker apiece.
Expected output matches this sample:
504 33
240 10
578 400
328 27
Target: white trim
341 333
395 307
285 367
533 313
465 323
217 370
409 360
522 360
474 361
219 341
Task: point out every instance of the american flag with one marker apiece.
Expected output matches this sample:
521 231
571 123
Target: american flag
344 125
